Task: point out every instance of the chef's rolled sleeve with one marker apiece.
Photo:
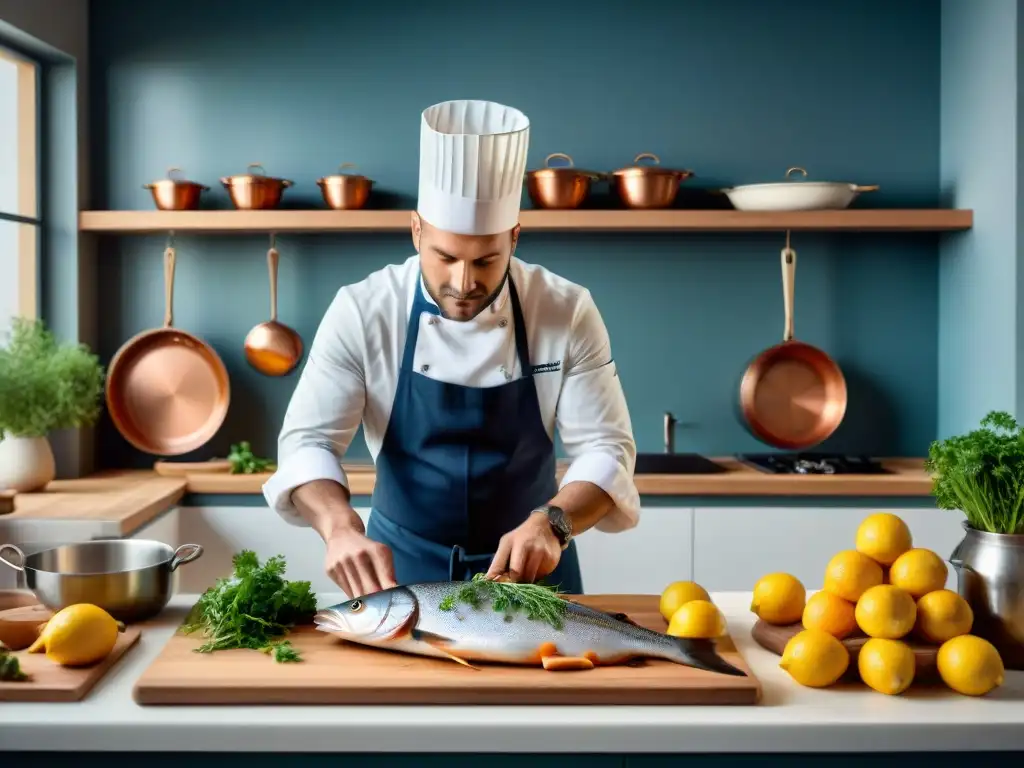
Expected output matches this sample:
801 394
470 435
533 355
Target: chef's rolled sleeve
593 420
325 410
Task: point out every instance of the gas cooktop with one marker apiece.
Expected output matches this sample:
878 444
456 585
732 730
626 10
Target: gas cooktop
812 464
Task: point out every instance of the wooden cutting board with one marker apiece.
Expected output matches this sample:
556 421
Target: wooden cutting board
774 639
52 682
337 672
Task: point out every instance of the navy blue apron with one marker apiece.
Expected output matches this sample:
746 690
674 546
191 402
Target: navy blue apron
460 467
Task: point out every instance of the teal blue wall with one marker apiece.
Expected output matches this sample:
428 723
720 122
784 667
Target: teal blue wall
737 90
981 350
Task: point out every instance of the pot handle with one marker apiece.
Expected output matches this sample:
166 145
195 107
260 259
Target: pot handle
868 188
5 561
647 156
788 287
796 169
955 561
186 553
559 155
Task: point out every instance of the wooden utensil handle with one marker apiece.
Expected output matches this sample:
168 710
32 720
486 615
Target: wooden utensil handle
788 286
169 286
272 260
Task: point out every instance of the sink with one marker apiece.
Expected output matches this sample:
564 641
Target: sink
675 464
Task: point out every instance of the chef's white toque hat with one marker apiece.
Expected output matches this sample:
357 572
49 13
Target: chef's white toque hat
472 163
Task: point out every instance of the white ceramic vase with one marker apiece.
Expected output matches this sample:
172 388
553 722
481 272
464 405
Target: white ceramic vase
26 464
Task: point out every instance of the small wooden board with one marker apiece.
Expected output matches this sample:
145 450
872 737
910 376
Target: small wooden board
185 468
337 672
52 682
774 638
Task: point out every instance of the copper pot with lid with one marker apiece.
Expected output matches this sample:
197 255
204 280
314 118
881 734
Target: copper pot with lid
648 186
344 191
559 186
253 191
172 194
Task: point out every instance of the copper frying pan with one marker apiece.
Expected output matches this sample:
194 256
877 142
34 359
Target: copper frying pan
793 395
167 391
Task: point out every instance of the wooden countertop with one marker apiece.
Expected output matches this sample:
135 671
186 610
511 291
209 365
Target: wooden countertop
129 499
907 478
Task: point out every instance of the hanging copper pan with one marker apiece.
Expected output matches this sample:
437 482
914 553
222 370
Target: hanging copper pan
167 391
793 395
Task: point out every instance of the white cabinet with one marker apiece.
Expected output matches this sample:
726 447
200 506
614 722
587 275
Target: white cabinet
642 560
734 546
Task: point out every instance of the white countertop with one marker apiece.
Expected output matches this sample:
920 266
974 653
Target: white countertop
789 718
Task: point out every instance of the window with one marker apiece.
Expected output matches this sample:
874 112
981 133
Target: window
19 189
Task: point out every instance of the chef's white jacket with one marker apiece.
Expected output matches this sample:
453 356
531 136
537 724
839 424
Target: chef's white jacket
352 369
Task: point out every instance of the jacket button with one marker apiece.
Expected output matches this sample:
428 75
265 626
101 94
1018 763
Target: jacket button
424 368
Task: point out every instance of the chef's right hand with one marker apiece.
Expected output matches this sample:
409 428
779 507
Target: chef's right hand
358 564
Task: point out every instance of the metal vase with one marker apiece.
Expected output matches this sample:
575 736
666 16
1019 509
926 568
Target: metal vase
990 577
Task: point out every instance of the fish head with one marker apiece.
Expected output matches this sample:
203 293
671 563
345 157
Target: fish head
375 618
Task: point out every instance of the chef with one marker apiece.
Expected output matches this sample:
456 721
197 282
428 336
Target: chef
460 363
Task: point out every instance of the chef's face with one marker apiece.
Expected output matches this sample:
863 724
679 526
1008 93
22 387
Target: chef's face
462 273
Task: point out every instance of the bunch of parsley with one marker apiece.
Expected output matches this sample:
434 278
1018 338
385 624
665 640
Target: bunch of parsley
982 474
252 608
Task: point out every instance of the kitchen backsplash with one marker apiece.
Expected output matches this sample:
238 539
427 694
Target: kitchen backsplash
737 90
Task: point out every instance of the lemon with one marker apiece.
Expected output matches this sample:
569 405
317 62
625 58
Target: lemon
883 537
815 658
942 615
77 635
888 666
778 598
970 665
829 613
678 593
886 611
697 618
849 574
918 571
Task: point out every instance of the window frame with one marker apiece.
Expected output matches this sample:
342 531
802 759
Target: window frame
28 215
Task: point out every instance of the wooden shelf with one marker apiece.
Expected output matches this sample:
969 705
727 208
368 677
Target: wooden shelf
283 221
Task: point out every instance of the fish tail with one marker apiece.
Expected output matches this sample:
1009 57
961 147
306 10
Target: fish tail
702 654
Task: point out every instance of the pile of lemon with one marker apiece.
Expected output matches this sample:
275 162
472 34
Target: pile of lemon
892 592
690 612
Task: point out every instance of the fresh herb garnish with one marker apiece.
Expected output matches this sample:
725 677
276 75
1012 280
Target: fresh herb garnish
538 601
245 462
283 651
982 474
10 668
251 608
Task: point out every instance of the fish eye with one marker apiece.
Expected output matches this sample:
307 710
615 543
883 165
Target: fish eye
356 606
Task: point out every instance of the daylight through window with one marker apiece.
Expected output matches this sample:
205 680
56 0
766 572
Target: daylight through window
19 188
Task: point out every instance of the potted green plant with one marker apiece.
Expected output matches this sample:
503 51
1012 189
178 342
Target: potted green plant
981 474
45 385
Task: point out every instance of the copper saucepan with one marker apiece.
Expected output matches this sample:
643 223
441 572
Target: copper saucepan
559 187
172 194
648 186
167 391
344 191
255 191
793 395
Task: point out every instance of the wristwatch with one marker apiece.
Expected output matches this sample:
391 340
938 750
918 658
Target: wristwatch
561 525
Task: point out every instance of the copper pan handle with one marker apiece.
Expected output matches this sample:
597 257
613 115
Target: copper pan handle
272 260
788 285
169 286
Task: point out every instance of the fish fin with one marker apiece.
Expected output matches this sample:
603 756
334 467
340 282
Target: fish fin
702 654
439 642
562 663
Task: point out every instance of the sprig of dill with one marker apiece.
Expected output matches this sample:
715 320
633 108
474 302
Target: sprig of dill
981 474
252 608
537 601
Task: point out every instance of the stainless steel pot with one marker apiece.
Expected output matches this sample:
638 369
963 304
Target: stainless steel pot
131 579
990 577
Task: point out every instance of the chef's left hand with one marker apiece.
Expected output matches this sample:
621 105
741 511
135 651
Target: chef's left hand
527 553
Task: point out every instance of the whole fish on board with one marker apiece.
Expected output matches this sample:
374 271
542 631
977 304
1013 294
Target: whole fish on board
470 621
